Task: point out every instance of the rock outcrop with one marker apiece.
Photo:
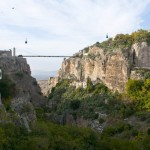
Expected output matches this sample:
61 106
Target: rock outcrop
27 94
113 68
44 86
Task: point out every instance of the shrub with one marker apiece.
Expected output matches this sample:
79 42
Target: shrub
100 88
74 104
117 128
148 131
141 36
35 83
147 75
133 87
86 50
20 74
26 108
122 40
7 87
139 91
89 87
125 41
101 120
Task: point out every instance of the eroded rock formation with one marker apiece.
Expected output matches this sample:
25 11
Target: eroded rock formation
27 94
113 68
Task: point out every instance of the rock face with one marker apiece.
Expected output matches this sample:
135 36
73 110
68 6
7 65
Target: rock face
113 68
142 55
44 86
27 92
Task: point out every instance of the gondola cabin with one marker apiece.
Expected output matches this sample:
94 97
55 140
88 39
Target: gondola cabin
26 41
107 36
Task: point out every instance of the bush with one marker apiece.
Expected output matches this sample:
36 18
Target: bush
133 87
20 74
101 120
147 75
35 83
75 104
117 128
148 131
139 91
86 50
100 88
141 36
125 41
122 40
7 87
89 87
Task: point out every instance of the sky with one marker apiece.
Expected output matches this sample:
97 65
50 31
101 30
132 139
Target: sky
63 27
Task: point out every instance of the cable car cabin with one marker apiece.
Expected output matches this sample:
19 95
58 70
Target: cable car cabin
0 74
26 42
107 36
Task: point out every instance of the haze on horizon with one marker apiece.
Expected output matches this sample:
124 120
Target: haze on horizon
63 27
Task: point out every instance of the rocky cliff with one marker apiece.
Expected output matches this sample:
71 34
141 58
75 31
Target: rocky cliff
26 92
112 67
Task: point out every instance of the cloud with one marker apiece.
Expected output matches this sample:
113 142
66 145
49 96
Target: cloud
56 27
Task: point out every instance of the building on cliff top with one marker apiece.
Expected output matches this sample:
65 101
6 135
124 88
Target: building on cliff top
7 53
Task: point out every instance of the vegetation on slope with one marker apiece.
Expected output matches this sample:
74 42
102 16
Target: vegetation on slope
125 41
125 119
46 135
87 102
117 134
7 87
124 123
139 92
7 90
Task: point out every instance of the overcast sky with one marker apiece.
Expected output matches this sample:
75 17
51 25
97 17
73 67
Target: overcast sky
63 27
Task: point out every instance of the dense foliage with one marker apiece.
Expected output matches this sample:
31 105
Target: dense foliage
95 99
87 102
46 135
7 90
125 41
7 87
118 134
139 92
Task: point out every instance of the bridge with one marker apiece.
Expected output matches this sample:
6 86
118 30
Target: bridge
41 56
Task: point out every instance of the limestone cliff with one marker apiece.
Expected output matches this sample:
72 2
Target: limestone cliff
112 67
27 93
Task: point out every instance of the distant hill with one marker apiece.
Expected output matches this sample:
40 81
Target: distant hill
43 75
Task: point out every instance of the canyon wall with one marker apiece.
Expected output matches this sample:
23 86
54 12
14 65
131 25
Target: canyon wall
113 68
26 92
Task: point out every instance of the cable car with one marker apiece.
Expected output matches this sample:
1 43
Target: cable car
26 41
107 35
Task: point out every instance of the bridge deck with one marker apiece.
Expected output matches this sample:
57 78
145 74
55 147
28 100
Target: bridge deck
40 56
